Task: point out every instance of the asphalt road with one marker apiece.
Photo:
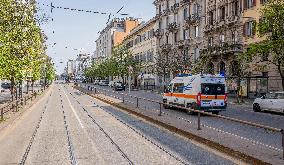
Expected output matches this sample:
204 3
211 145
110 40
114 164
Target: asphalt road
256 136
68 127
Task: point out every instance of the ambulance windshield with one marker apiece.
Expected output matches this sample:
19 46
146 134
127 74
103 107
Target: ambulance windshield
213 89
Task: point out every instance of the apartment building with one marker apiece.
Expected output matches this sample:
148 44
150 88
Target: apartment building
223 34
142 43
264 75
113 34
179 31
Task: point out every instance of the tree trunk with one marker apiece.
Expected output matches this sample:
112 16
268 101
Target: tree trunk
33 85
27 87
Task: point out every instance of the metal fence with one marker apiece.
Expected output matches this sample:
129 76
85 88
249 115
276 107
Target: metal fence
123 97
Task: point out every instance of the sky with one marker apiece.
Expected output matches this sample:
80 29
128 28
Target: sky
75 32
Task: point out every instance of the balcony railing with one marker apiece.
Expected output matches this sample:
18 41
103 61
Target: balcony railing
223 49
175 7
158 33
173 27
166 47
192 19
184 2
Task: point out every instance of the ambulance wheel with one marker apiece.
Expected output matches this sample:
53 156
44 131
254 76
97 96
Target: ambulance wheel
164 105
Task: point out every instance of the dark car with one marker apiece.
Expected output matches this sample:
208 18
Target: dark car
6 85
119 86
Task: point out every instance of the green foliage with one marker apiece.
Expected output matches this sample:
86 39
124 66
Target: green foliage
22 44
271 27
116 65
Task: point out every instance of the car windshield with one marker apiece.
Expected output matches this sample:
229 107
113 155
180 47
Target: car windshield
213 89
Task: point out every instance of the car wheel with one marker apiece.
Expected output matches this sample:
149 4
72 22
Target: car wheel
256 107
189 105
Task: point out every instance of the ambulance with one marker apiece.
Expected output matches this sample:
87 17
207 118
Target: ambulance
203 92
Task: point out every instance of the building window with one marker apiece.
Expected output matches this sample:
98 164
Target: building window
168 4
211 18
176 37
167 21
222 13
160 25
249 4
196 54
236 8
195 8
210 41
250 28
196 31
222 38
263 1
185 34
167 39
185 13
234 37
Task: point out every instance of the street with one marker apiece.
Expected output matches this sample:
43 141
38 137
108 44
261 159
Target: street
243 135
67 126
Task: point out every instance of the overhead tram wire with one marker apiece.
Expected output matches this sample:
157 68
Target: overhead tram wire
52 7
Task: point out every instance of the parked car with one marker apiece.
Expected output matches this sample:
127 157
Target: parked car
103 83
111 84
270 102
96 82
6 85
119 86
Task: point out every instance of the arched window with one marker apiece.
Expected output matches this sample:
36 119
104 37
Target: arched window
222 67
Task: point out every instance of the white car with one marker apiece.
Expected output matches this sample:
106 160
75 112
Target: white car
270 102
111 84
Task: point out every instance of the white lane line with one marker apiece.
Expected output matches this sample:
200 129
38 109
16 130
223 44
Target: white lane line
73 110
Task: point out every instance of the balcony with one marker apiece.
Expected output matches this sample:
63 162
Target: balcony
192 20
184 2
224 49
166 12
166 47
233 20
175 7
173 27
158 33
183 43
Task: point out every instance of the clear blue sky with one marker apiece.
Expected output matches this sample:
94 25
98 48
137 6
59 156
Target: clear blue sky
79 30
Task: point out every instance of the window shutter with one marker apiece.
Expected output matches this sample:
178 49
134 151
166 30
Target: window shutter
254 3
254 27
244 29
245 4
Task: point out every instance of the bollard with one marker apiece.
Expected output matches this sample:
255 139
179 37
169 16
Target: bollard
2 114
199 128
25 98
95 90
160 113
123 98
137 103
282 132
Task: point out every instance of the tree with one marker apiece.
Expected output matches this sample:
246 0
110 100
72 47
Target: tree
271 27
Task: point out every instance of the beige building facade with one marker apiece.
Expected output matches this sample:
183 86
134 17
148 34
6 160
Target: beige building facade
142 44
113 35
265 76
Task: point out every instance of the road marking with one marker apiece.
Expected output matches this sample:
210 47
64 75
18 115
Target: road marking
72 108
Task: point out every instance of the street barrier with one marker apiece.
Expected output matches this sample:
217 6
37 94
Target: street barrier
272 129
15 105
